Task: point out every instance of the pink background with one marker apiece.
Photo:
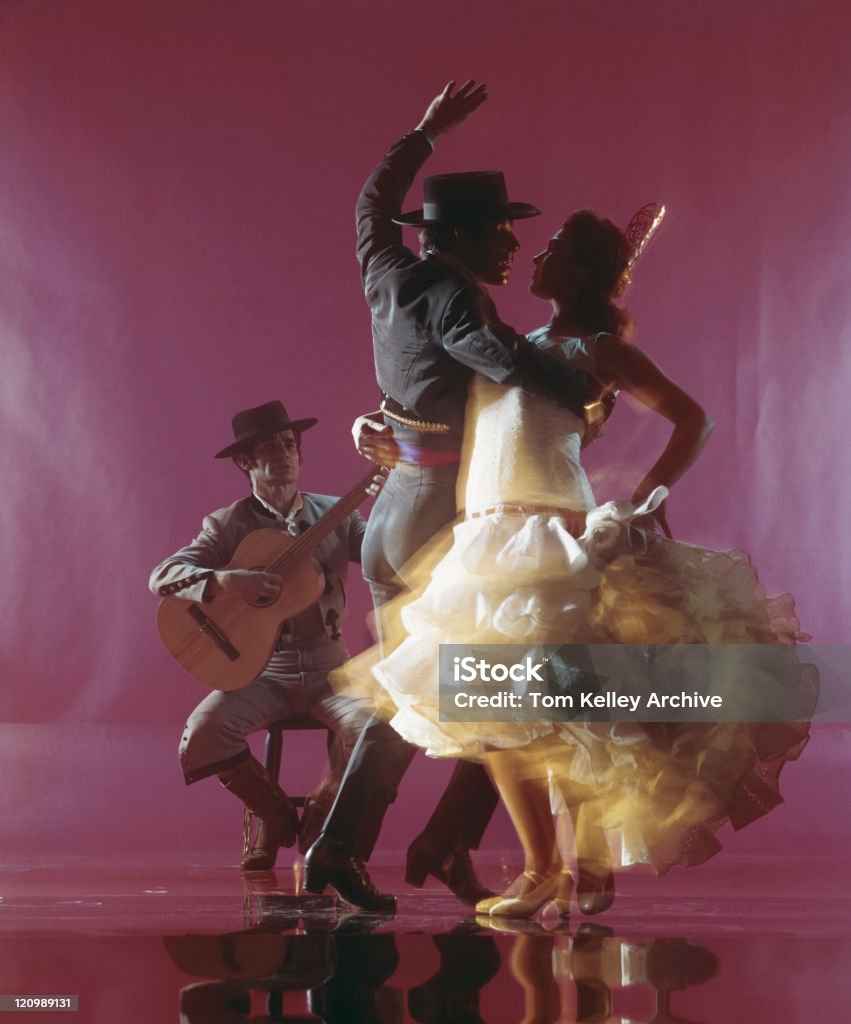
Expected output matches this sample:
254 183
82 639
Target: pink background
178 182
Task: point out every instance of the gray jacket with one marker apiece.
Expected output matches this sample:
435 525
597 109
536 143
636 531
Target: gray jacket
186 572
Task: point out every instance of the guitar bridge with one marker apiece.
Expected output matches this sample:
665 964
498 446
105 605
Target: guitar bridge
210 629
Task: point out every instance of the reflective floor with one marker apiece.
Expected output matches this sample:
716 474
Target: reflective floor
733 942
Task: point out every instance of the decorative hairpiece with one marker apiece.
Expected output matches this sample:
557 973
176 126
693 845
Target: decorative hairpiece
642 228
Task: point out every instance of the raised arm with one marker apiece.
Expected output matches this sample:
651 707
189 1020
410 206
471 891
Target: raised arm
379 240
627 367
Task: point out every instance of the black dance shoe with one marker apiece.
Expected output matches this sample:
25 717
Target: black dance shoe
454 869
328 863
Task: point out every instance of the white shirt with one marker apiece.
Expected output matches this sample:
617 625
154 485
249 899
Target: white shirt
290 518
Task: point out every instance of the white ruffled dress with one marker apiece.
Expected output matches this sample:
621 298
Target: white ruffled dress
516 574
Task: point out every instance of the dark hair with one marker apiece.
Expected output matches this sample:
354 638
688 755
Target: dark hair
601 252
442 237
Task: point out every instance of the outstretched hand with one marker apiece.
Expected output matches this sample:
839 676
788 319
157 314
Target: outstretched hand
447 111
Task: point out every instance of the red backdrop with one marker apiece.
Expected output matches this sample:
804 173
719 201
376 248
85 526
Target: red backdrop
178 182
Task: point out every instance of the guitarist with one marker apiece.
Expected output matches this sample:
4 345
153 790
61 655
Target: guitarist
267 448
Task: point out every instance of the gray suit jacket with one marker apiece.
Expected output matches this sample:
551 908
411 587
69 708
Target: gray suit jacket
186 572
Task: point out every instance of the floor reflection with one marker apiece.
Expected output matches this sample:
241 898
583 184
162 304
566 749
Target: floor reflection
738 943
301 958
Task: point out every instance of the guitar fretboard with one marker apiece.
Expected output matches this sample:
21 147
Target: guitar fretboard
325 526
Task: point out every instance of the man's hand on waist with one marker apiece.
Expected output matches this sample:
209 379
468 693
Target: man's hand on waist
374 440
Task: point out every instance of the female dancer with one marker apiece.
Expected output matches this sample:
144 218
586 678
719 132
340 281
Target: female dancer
534 561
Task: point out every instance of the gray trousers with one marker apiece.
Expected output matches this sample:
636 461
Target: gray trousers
414 503
295 682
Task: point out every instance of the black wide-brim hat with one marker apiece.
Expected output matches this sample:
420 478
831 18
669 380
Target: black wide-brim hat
262 419
471 197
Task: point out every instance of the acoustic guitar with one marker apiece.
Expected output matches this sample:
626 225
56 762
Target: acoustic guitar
226 642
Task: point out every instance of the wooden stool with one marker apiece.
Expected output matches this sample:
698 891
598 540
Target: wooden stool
272 761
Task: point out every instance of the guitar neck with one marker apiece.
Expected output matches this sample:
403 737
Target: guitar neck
324 527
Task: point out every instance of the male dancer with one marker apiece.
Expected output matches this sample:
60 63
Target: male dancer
433 326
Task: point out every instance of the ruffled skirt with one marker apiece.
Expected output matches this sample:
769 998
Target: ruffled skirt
666 786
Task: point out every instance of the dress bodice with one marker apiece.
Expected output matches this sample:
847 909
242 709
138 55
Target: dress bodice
524 449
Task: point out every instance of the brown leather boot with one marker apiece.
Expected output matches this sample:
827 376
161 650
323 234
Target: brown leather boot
275 813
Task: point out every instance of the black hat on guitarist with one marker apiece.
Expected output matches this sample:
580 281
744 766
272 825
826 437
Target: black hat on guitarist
259 421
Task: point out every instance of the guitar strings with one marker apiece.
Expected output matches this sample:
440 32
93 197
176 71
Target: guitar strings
322 527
